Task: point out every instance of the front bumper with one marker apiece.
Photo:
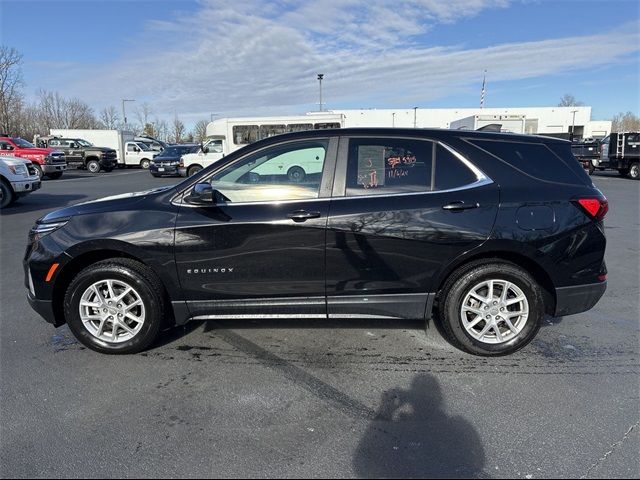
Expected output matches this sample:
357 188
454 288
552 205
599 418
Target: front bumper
54 167
25 186
579 298
44 308
164 169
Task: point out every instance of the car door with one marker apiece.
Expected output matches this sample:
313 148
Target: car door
260 249
402 209
72 150
132 153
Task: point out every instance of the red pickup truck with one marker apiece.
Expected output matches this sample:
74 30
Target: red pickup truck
47 161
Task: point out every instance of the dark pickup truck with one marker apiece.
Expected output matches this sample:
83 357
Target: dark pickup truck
588 153
618 151
81 153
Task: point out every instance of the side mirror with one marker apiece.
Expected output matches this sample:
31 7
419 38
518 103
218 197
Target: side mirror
201 194
137 149
205 149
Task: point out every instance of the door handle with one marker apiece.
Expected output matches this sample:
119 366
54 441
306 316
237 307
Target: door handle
302 215
460 205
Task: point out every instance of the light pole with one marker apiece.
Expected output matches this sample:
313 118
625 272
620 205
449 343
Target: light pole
573 124
393 119
320 77
124 114
415 117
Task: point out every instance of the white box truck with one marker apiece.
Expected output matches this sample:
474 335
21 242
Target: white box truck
508 123
129 152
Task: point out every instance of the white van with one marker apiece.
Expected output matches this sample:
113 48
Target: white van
226 135
138 154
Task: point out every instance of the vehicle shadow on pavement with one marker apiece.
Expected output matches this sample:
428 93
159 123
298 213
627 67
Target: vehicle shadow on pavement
40 201
412 436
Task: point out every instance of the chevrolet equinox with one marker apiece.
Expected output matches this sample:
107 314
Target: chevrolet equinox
483 233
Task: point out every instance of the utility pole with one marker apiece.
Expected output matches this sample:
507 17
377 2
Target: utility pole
573 125
124 113
320 77
415 117
393 119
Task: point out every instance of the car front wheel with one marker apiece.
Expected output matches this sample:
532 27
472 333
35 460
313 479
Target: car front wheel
115 306
6 194
93 166
144 163
491 308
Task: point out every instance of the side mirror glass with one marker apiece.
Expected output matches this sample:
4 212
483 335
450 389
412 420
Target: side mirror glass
205 149
201 194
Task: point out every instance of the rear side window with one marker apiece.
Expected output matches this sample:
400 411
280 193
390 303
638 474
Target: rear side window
388 166
534 159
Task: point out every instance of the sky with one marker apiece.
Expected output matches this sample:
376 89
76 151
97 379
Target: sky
253 57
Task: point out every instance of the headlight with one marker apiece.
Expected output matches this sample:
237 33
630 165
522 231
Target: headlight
19 169
40 230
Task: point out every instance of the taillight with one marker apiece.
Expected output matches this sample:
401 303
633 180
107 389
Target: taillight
596 208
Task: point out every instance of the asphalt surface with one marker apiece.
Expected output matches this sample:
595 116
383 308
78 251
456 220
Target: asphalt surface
305 398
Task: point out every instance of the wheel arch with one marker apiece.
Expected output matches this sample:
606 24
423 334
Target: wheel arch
539 273
88 257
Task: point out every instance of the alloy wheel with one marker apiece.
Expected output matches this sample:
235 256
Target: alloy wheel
494 311
112 310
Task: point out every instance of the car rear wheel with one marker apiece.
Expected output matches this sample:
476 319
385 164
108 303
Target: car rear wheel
491 308
93 166
144 163
115 306
634 171
7 196
296 174
193 170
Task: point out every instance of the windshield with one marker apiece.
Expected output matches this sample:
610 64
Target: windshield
84 143
22 143
143 147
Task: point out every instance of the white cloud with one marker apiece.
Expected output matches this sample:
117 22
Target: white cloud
262 57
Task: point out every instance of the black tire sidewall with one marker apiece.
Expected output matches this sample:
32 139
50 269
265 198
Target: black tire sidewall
7 194
460 288
193 170
150 299
144 163
634 168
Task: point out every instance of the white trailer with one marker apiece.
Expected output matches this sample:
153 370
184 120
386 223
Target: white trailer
129 152
226 135
508 123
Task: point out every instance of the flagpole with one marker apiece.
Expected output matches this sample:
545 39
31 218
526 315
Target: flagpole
482 92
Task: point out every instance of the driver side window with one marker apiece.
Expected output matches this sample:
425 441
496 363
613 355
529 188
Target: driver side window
285 172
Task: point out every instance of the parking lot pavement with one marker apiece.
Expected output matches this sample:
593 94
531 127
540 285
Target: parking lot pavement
319 398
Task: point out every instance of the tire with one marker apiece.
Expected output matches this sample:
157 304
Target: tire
93 166
38 170
296 174
54 176
7 197
634 171
623 171
193 170
144 163
122 273
456 293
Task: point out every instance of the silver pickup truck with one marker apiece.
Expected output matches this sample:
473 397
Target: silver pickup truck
18 177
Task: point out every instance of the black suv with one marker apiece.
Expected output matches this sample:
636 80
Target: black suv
484 232
168 161
83 153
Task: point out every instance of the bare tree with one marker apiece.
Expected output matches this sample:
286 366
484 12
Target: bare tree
200 131
625 122
161 129
569 100
143 112
109 117
10 84
177 129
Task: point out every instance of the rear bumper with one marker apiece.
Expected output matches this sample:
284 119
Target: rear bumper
579 298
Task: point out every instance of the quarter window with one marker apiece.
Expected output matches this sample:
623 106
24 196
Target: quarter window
286 172
387 166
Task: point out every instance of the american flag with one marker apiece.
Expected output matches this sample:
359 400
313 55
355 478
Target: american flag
484 78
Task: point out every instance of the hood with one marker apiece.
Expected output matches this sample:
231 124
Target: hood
105 204
37 151
99 149
14 161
